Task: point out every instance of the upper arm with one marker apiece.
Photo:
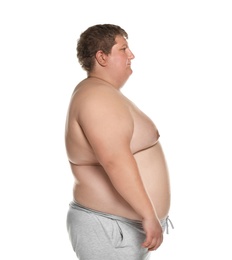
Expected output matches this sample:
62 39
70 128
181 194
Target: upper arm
107 124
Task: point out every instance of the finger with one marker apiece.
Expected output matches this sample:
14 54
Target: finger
150 243
155 245
147 242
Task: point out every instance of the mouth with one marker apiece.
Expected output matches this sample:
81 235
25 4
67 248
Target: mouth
128 62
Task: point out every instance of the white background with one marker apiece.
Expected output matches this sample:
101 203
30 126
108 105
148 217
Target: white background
182 80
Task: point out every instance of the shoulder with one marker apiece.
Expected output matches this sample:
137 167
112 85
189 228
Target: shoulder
97 94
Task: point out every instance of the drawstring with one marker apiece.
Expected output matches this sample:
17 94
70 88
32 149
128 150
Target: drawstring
168 221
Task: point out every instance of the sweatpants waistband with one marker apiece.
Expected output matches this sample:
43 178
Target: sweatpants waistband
137 223
76 205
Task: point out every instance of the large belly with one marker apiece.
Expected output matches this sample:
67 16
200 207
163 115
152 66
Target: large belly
94 189
154 173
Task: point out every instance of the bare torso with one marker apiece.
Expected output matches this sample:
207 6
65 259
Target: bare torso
92 186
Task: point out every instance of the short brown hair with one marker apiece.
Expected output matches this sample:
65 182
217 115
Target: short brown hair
95 38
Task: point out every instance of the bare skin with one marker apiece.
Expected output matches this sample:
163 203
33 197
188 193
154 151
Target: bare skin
113 148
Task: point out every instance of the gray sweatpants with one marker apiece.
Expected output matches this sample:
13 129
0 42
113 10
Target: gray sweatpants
99 236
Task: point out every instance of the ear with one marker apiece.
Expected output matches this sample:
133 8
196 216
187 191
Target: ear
101 58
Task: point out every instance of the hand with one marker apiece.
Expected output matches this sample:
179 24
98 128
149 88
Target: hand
154 234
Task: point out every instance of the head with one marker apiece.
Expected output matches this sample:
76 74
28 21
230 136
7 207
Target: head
95 38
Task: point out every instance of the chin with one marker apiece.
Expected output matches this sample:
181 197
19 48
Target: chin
130 69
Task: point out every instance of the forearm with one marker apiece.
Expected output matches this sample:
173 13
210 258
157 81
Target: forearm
126 179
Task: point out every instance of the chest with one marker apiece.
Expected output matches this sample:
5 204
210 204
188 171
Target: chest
145 132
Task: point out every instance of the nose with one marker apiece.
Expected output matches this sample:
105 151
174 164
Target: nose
131 56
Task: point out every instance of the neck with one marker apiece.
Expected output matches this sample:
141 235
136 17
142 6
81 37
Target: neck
103 79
